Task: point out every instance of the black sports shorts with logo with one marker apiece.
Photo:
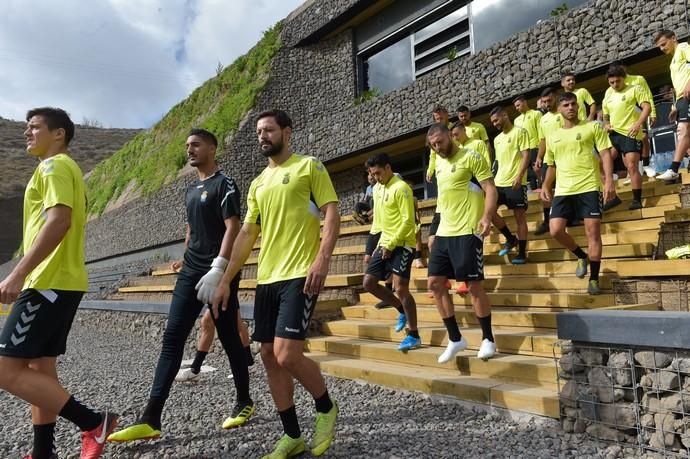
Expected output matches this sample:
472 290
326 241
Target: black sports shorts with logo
282 310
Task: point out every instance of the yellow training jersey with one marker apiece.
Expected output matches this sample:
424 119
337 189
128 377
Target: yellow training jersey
529 121
377 197
680 68
479 146
572 152
286 201
509 147
398 225
639 80
549 123
622 108
584 98
476 131
461 202
57 181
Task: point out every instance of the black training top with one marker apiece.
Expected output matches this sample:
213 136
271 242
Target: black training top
209 203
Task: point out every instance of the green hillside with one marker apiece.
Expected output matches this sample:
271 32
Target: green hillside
154 157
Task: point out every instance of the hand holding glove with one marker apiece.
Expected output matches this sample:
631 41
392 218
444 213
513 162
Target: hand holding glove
208 283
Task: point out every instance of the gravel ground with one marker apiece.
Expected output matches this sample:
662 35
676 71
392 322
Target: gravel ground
109 368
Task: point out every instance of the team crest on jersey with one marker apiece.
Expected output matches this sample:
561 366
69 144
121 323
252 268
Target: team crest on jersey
286 178
578 136
319 165
452 169
623 98
204 195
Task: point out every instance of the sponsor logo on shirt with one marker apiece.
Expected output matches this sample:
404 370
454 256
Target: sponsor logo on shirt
204 195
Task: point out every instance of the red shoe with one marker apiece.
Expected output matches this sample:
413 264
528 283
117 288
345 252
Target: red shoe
93 441
462 289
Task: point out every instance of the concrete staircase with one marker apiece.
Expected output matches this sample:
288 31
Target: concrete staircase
355 340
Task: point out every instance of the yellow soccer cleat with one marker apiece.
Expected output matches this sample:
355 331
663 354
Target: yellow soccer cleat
287 447
135 432
240 415
324 432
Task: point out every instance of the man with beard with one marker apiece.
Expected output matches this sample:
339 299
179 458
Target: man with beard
578 184
463 176
213 221
584 98
284 204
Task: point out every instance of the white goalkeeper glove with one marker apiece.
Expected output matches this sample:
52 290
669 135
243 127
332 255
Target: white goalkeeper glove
208 283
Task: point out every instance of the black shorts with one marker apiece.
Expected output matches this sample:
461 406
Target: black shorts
624 144
39 324
577 206
683 110
458 257
282 309
513 199
372 243
434 224
400 263
533 153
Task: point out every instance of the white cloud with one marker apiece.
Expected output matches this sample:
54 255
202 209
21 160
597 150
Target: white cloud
124 63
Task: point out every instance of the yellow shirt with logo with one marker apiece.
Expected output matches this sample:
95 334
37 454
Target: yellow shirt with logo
462 203
477 131
57 181
680 68
398 225
549 123
584 98
622 108
285 201
572 152
639 80
509 147
479 146
529 121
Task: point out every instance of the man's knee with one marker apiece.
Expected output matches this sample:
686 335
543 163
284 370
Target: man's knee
289 358
9 371
370 282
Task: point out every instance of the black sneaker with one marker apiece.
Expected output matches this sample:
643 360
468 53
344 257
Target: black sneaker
382 305
635 205
612 203
542 229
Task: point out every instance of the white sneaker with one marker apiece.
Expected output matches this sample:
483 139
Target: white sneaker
186 375
627 181
486 350
649 171
668 175
453 348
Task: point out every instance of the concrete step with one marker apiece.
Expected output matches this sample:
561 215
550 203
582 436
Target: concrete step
654 268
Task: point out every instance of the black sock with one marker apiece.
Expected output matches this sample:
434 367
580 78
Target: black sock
44 439
505 231
153 412
594 267
637 195
579 253
85 418
323 403
417 254
675 165
522 247
198 361
290 422
390 286
485 323
250 356
452 327
413 333
547 211
400 309
645 161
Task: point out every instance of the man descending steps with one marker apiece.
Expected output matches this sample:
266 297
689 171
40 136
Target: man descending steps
528 120
549 122
575 170
463 177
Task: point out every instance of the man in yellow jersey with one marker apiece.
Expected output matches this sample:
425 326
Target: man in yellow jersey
440 115
375 233
575 169
46 287
284 204
639 80
474 130
667 42
463 178
459 136
512 155
584 98
549 123
394 254
528 119
625 124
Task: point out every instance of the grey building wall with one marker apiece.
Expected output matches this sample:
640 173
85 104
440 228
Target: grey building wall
316 85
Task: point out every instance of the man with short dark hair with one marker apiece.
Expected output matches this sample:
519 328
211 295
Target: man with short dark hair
528 119
284 204
584 98
213 221
575 170
474 130
395 251
46 286
667 42
625 125
549 123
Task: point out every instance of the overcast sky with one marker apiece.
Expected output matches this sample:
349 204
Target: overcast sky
124 63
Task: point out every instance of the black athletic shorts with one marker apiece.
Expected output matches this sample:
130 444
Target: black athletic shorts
434 224
372 243
39 324
399 263
683 110
513 199
458 257
533 153
577 206
282 309
624 144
